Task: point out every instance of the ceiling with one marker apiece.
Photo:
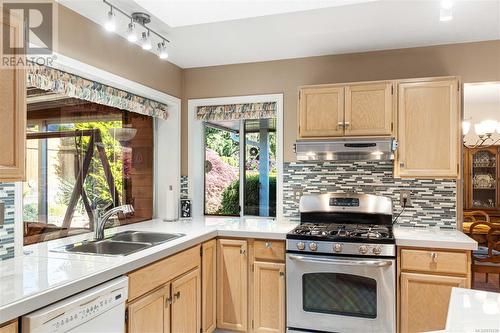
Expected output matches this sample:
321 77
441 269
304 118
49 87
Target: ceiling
211 32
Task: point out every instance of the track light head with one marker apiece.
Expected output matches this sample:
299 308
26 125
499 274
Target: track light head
131 33
162 51
146 41
110 24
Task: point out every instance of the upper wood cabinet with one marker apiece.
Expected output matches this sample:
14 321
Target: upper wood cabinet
428 128
321 111
268 297
364 109
368 109
13 114
209 286
232 285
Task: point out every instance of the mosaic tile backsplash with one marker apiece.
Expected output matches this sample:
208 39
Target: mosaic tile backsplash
184 187
433 202
7 229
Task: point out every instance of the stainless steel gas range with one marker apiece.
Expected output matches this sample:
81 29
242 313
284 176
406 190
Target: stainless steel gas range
341 267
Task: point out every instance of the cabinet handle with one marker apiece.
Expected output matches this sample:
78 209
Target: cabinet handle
269 245
402 164
340 124
242 251
168 301
177 295
434 256
282 274
347 124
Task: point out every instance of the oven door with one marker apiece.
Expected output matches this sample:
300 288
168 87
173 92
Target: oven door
333 294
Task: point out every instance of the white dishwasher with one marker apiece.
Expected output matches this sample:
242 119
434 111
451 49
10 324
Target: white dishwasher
97 310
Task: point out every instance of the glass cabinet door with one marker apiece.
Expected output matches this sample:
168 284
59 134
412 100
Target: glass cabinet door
484 181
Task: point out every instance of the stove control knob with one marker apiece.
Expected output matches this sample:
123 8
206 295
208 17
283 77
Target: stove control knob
363 249
377 250
301 245
313 246
337 247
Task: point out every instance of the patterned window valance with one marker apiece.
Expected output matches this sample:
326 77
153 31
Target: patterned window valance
71 85
237 111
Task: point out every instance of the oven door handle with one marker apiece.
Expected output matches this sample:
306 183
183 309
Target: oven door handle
372 263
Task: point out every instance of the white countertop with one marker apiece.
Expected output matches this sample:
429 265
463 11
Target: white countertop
41 276
433 237
473 311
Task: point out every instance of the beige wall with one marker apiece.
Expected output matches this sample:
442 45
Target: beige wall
82 39
474 62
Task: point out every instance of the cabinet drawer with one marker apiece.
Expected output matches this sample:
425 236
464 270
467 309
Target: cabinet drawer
269 250
434 261
150 277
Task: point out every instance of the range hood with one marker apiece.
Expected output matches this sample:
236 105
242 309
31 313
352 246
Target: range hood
346 149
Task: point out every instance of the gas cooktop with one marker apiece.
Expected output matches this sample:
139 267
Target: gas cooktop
343 232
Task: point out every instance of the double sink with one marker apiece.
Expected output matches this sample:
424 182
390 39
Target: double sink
120 244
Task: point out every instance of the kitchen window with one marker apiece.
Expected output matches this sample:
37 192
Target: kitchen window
82 156
240 152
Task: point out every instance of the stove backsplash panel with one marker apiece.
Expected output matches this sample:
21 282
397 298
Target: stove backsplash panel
433 202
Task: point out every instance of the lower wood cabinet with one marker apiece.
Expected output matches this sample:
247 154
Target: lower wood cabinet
425 299
174 307
165 296
268 297
150 313
209 286
232 284
251 285
9 328
426 277
186 301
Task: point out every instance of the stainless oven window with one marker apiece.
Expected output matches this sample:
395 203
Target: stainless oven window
341 294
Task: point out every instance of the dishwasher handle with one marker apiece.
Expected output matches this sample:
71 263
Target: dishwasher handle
345 262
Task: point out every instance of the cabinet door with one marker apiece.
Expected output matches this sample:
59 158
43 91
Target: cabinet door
9 328
321 112
186 303
150 313
232 284
208 286
425 299
13 115
269 297
368 109
428 129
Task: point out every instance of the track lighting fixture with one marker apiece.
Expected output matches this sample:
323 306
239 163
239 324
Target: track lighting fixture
162 50
131 33
110 24
146 41
138 27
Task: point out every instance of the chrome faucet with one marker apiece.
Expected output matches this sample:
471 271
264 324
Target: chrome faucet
100 221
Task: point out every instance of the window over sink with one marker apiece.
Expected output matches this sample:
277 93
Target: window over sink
82 156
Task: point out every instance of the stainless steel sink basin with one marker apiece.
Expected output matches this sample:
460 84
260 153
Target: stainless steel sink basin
144 237
120 244
107 247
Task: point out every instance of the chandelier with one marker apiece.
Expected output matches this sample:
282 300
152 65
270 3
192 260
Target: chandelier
484 130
